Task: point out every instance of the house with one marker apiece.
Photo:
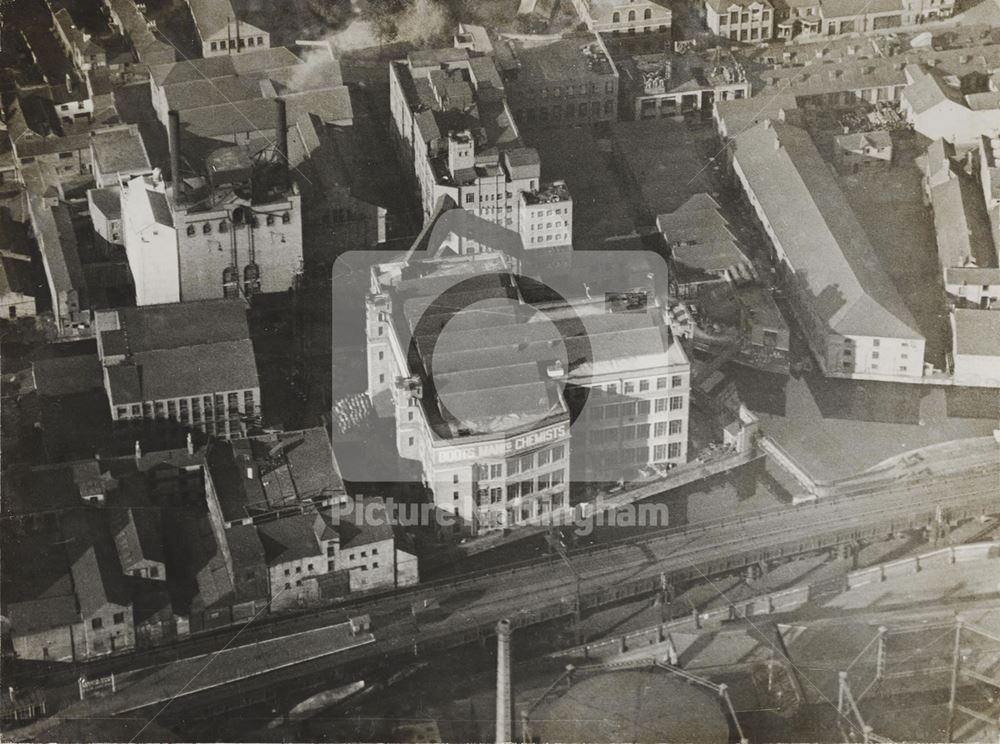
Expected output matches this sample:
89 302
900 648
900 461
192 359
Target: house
221 31
862 150
105 209
659 85
103 594
17 286
937 107
854 319
568 82
625 18
740 20
989 175
976 347
280 504
186 365
133 24
52 225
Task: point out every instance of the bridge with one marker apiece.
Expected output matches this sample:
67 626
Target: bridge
539 591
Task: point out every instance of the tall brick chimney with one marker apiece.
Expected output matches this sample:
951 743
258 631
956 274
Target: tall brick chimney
504 735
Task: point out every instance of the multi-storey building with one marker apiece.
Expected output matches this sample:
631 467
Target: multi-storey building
491 427
823 17
187 366
659 85
455 134
856 323
569 82
236 231
629 17
740 20
279 500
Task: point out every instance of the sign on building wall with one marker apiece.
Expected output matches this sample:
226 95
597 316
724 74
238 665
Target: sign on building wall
502 448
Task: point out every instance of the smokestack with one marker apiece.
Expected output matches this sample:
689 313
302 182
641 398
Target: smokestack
504 703
281 140
190 444
281 132
174 135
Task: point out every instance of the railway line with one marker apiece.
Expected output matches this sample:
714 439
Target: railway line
542 591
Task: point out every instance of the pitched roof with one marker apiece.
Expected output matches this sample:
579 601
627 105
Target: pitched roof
98 579
213 17
819 233
107 201
37 589
67 375
977 332
700 237
258 475
290 538
928 90
177 350
57 241
134 522
961 224
879 139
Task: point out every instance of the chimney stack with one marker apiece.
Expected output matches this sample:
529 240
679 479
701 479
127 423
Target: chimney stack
174 135
190 444
281 138
138 450
504 702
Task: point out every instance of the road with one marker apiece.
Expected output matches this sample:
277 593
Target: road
518 593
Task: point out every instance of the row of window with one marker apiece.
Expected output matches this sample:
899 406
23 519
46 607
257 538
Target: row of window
97 623
633 455
642 385
736 17
522 488
545 114
635 431
249 41
647 14
579 90
547 225
547 238
525 463
206 228
211 407
754 33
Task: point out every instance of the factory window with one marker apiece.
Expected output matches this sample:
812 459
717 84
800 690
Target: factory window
876 342
628 409
513 467
381 378
642 431
454 478
190 230
527 487
512 491
676 403
223 226
250 41
659 452
676 381
660 429
661 405
631 15
643 386
674 449
286 218
874 355
122 412
270 220
119 618
675 426
260 41
647 14
543 457
496 470
206 229
616 17
558 452
496 494
411 441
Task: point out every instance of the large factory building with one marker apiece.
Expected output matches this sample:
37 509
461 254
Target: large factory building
507 391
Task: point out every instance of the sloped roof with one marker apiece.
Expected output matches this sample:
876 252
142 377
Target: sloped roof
37 589
212 18
824 243
120 150
699 235
928 90
98 579
961 224
290 538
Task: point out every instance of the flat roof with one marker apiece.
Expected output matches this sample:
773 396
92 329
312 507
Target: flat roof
120 150
568 58
977 332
